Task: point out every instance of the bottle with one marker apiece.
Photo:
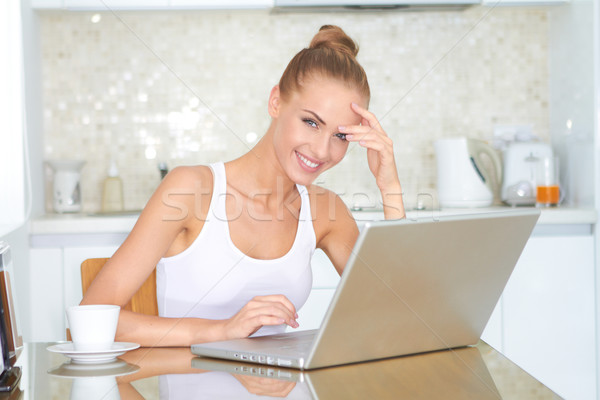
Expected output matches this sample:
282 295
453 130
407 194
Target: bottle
112 195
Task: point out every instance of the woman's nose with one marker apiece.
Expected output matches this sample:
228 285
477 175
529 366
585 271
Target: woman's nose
321 147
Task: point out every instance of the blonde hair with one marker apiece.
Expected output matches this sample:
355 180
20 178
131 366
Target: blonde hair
331 54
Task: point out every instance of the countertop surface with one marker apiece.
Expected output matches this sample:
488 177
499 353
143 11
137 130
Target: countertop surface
478 372
124 222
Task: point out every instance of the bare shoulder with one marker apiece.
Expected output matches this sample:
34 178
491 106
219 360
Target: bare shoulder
184 193
335 228
189 177
329 212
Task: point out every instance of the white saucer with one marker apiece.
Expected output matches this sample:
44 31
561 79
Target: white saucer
93 356
77 370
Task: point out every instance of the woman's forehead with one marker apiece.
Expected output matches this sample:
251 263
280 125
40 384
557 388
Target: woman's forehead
328 96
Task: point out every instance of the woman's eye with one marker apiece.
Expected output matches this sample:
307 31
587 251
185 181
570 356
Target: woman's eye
341 136
310 122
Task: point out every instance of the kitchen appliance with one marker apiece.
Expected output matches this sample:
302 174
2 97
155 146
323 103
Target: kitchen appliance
521 163
66 190
379 5
10 340
463 179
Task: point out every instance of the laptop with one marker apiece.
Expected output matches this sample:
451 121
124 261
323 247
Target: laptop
410 286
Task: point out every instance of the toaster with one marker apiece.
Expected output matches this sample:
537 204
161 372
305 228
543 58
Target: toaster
519 172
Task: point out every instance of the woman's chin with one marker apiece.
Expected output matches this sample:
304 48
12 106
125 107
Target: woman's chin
303 178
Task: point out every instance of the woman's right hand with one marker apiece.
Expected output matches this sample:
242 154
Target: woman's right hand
258 312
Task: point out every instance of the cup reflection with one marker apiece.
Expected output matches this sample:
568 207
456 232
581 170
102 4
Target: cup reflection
95 388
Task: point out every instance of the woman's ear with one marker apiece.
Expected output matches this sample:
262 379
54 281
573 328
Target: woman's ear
274 102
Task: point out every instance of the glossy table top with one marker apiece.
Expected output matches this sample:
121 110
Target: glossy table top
477 372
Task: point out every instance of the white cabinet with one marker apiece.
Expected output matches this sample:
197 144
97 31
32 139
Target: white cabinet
216 4
46 4
545 320
55 285
325 281
311 314
492 334
115 4
104 5
526 3
72 259
47 316
548 314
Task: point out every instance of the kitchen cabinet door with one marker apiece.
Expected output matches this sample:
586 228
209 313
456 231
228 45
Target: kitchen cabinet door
47 4
549 314
325 281
73 257
224 4
47 317
105 5
525 3
324 274
311 314
492 334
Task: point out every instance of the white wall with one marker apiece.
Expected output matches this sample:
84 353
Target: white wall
571 98
18 237
596 149
12 209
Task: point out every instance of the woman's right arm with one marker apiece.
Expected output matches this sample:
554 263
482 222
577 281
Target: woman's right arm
161 228
168 225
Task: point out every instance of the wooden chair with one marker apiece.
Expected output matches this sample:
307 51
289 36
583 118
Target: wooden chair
143 301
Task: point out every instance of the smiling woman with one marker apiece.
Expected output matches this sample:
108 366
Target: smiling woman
232 242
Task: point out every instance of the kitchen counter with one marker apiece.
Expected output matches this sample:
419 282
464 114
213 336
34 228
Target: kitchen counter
51 224
472 372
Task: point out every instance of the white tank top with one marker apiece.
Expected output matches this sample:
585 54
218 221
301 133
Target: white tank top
213 279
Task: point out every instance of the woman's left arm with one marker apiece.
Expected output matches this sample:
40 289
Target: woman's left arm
380 155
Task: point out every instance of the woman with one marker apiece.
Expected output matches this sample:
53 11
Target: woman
232 242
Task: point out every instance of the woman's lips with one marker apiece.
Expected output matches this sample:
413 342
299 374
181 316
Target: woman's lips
308 164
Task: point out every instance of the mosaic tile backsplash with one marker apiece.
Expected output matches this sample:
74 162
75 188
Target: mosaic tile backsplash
185 88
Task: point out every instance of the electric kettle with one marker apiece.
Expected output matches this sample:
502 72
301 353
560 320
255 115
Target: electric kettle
463 180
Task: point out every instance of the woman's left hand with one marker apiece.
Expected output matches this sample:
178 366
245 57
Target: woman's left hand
380 150
380 155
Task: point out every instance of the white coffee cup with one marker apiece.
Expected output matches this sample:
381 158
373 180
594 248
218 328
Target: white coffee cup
93 327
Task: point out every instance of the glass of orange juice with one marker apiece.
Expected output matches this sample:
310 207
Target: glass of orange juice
548 189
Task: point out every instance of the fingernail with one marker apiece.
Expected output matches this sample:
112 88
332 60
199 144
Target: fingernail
349 137
354 104
296 315
341 128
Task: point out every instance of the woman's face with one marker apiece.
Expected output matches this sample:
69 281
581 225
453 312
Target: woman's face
306 138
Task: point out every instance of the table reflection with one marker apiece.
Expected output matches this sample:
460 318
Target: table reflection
175 373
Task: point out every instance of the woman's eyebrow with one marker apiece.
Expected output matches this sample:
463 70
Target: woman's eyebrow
316 116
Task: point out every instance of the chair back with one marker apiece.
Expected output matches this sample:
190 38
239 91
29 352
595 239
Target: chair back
143 301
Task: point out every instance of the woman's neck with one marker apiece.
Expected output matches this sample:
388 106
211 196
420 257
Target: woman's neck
258 174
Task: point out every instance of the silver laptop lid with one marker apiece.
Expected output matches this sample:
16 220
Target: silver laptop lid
416 286
408 287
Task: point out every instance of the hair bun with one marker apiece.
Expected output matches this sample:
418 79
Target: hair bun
333 37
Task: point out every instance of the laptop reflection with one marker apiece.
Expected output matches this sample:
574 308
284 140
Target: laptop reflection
448 374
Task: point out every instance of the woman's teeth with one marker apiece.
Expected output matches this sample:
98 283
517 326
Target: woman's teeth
307 162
